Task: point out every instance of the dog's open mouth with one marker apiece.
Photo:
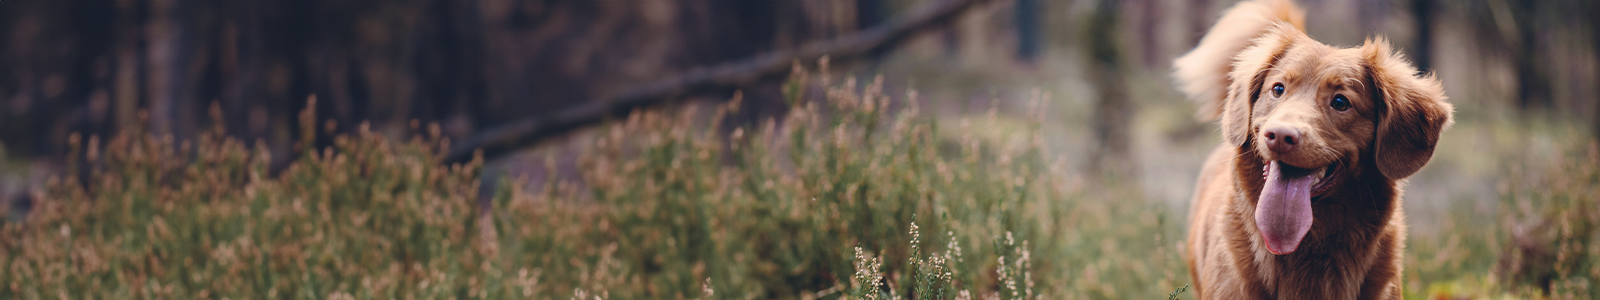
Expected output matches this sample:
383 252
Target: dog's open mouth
1283 214
1322 178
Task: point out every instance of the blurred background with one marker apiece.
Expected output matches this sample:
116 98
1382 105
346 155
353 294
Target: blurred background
525 80
97 67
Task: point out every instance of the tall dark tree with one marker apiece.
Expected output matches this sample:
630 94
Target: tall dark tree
1594 46
1533 86
1111 110
93 66
1371 14
1424 12
1150 42
1028 30
1198 19
870 13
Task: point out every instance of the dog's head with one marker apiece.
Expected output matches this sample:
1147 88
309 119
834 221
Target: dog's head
1319 118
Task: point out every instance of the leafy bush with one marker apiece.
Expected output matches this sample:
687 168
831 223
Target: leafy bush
1542 244
1553 224
667 204
155 219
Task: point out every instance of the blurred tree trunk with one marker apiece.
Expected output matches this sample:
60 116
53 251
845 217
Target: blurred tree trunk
1533 88
1424 12
1594 46
1111 110
456 69
1150 46
55 64
242 52
870 13
124 83
1028 31
93 66
168 54
1199 19
1371 14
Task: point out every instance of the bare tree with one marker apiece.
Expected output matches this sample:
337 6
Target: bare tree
1029 42
1199 18
1150 42
1371 14
1594 46
1424 12
1111 110
1533 87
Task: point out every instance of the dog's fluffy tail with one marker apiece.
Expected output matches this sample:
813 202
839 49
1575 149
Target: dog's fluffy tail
1202 74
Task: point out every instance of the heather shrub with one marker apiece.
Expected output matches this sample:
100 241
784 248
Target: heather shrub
819 203
852 194
1541 243
1552 226
157 219
829 201
783 208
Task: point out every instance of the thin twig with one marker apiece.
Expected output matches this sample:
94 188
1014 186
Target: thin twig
1174 294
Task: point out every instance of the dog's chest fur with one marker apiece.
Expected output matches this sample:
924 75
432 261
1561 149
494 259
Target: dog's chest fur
1352 252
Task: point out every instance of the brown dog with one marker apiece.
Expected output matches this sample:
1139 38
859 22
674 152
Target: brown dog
1302 200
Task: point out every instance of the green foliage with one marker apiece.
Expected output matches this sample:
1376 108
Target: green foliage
816 204
776 210
1541 245
683 204
933 276
1174 294
1554 230
364 218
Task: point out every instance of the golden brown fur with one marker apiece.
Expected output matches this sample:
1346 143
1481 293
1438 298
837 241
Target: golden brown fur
1386 132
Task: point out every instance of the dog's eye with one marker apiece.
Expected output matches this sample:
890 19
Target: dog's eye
1340 103
1277 90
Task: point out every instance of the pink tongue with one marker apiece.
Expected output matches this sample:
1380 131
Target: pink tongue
1283 213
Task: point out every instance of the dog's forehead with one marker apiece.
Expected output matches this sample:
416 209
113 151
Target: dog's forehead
1321 65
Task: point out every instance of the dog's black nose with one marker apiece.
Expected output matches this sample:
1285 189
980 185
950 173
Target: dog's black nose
1281 139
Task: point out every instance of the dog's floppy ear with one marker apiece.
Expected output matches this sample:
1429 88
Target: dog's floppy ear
1250 68
1413 114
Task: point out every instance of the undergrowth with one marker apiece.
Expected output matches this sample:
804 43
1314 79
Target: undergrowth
1552 228
1540 244
851 194
668 204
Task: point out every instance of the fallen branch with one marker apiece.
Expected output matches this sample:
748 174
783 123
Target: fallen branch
505 139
